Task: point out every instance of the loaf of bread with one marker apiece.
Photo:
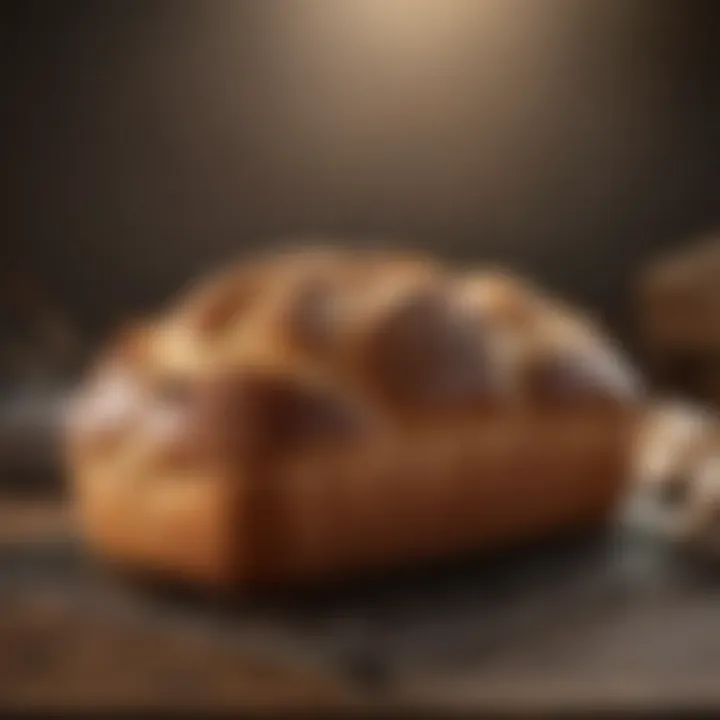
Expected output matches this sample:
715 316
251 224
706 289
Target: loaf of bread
319 412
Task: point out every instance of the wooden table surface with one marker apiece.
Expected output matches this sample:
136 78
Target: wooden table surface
75 641
587 623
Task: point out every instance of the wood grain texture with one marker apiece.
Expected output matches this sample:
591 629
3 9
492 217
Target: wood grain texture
601 623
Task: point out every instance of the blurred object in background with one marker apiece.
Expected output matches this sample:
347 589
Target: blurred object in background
679 319
674 491
40 355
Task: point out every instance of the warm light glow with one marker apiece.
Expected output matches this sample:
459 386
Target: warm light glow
409 27
415 30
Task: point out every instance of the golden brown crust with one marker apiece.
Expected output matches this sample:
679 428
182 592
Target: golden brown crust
338 409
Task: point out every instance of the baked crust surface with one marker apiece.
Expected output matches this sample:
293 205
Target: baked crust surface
320 411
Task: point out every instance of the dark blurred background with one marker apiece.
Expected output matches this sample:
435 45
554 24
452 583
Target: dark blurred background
147 139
